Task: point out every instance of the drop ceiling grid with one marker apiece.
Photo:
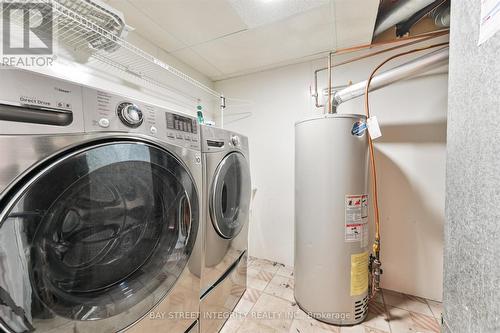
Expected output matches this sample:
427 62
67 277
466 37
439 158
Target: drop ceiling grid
146 26
193 21
149 29
262 12
222 38
297 36
354 21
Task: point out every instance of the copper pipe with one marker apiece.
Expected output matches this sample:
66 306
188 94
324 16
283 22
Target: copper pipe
413 40
376 244
383 51
366 46
418 65
363 57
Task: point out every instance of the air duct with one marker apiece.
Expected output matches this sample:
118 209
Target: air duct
422 64
402 28
441 17
401 11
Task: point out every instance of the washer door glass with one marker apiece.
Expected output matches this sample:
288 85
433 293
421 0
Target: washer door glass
230 195
101 233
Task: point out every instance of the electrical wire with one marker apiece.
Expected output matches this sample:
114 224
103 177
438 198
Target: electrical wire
376 244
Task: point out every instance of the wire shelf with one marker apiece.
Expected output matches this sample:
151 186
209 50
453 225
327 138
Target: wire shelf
85 27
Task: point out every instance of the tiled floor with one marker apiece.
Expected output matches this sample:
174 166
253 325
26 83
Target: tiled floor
268 306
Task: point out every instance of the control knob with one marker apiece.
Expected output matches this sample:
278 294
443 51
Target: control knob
130 114
235 140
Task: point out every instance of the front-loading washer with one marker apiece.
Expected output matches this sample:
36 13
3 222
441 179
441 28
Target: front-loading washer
226 197
100 211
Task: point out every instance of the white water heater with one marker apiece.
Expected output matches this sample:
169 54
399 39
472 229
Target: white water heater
332 241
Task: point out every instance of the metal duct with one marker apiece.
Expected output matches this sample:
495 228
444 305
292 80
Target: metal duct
401 11
402 28
421 64
441 17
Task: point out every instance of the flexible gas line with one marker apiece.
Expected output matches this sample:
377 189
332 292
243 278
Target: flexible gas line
375 264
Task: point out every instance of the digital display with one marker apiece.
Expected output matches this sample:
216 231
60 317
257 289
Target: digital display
180 123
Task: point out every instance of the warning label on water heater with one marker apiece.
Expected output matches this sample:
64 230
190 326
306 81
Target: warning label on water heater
356 218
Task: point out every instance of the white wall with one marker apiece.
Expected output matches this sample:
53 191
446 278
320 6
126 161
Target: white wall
410 156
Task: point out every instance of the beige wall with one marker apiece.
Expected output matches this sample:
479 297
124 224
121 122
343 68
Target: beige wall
410 156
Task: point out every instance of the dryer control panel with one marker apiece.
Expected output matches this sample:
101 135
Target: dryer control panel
106 112
217 139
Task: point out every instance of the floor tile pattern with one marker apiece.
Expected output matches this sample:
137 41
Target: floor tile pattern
268 306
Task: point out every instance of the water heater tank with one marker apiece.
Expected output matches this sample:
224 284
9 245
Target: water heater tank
331 218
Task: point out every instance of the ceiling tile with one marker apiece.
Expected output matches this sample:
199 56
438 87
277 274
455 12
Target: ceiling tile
256 13
193 21
299 36
222 38
355 26
194 60
145 26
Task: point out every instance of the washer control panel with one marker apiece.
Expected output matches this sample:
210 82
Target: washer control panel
106 112
182 127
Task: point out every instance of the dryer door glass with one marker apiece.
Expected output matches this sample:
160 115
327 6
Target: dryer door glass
230 195
97 237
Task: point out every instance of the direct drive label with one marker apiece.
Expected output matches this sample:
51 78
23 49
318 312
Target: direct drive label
356 218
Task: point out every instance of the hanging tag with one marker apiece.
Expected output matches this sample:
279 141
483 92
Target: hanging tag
373 128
